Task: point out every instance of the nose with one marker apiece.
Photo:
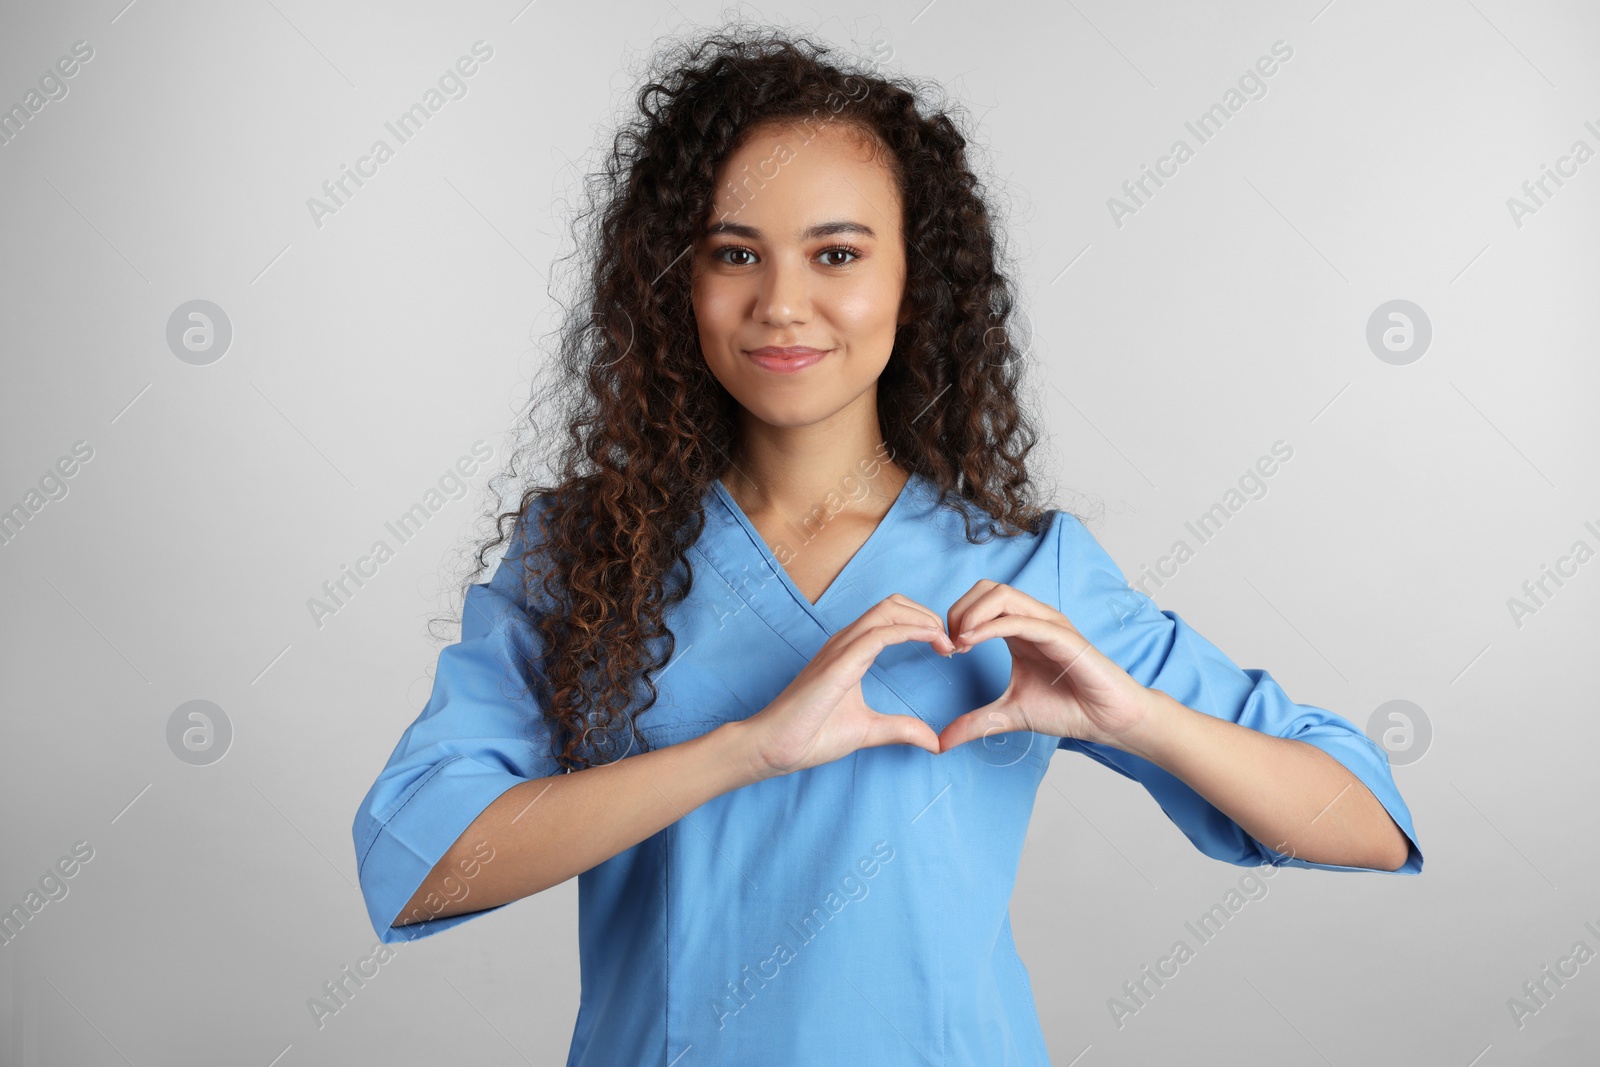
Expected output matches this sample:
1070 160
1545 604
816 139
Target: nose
784 296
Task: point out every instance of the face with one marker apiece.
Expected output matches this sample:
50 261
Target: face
803 248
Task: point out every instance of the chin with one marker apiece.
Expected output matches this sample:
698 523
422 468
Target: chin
801 411
787 418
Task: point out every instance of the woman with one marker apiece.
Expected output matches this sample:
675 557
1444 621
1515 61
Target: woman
778 666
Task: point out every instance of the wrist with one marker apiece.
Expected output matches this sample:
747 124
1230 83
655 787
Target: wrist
1153 734
742 752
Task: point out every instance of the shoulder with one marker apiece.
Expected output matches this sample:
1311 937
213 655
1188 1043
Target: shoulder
1084 565
958 523
524 551
529 534
969 543
1078 548
1062 563
1117 616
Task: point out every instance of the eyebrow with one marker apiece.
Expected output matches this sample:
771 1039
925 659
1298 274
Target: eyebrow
821 229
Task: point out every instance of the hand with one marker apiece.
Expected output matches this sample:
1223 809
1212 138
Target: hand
823 715
1060 685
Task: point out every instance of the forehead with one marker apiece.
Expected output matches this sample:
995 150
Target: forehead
786 176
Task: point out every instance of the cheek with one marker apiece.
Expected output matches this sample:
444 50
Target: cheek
717 324
869 307
716 308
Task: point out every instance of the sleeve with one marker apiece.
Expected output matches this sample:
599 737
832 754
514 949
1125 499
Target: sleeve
480 733
1160 651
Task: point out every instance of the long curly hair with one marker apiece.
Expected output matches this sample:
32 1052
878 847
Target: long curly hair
648 427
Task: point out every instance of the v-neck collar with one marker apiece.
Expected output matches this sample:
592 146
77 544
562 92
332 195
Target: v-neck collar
853 566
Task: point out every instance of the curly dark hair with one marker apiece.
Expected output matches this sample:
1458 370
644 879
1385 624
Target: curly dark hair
648 427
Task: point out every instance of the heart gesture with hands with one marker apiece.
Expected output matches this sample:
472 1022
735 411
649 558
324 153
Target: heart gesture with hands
1060 684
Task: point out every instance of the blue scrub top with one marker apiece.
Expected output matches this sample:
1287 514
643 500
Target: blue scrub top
854 912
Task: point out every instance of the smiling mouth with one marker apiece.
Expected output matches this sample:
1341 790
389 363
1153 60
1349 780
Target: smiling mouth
787 351
785 360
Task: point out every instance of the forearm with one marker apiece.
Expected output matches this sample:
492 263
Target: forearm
1287 794
547 830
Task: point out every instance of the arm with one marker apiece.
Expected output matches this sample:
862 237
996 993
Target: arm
554 826
1225 753
546 830
1280 790
473 809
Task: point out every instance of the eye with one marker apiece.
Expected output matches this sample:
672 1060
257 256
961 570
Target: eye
717 253
846 250
726 251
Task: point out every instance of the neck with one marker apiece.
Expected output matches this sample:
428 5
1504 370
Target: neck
765 477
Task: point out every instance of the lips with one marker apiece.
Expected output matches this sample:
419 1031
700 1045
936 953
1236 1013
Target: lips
785 359
786 352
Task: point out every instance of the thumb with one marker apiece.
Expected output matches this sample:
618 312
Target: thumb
900 730
974 725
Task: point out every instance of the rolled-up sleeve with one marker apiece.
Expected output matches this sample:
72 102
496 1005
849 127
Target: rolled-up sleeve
1161 651
480 733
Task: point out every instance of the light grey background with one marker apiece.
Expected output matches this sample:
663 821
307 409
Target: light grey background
369 353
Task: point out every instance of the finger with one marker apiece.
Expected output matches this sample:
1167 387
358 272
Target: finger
995 602
896 609
964 604
893 613
900 730
861 649
1063 643
906 602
